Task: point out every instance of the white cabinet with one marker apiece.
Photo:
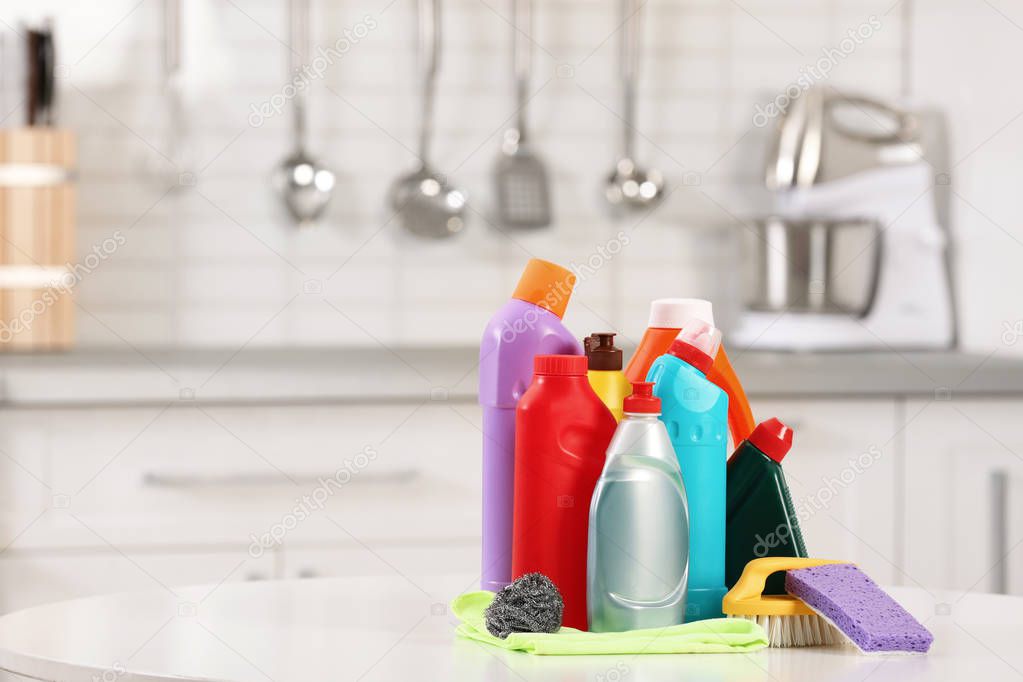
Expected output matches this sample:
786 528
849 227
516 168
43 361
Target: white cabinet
28 579
842 473
121 498
106 499
430 570
25 490
420 565
215 475
964 494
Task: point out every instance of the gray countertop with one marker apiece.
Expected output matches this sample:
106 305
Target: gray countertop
381 375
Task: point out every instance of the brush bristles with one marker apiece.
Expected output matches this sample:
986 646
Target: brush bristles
795 631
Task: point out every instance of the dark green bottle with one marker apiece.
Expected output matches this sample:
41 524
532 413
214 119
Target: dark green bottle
761 519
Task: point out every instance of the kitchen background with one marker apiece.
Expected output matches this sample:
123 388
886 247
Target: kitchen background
210 265
226 361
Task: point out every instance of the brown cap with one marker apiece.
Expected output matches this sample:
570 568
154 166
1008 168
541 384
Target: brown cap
545 284
601 352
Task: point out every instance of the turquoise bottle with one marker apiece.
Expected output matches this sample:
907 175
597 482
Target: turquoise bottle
695 413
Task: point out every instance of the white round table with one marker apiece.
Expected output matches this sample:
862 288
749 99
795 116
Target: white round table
389 629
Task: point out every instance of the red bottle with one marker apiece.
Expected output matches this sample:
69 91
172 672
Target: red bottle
562 430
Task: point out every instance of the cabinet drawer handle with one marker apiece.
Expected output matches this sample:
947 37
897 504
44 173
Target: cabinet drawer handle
1000 531
155 479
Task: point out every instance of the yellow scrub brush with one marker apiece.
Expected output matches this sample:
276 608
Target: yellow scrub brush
787 621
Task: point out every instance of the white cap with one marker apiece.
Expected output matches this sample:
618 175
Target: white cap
673 313
702 336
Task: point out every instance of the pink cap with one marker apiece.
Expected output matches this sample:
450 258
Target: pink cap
697 343
674 313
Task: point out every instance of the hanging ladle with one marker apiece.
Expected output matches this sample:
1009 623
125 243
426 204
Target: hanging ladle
304 184
629 185
427 205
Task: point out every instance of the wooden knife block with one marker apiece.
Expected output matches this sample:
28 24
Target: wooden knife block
37 226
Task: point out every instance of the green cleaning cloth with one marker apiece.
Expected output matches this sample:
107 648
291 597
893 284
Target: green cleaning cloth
715 636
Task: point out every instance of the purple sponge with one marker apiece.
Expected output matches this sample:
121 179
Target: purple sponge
854 604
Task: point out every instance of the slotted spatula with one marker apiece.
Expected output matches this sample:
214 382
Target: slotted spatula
520 177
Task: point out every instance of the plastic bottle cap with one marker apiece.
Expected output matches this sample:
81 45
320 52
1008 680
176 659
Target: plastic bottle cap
674 313
601 352
560 365
642 400
773 438
697 343
545 284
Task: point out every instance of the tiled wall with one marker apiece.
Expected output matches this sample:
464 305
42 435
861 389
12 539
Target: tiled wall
977 84
217 263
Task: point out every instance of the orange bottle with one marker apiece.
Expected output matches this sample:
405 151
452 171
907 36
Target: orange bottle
667 317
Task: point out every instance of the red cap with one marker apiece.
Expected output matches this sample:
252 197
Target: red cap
560 365
772 438
691 354
642 400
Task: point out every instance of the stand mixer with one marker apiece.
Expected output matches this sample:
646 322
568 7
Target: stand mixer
856 252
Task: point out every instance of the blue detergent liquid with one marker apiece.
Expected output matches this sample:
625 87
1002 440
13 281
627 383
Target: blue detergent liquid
695 413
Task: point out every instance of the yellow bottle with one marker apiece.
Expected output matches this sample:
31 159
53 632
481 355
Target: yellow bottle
605 371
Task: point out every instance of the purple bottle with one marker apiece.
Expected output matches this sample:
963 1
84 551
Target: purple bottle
528 325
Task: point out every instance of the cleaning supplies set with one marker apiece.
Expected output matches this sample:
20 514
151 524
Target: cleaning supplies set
614 520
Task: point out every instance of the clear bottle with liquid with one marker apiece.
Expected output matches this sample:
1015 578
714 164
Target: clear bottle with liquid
638 548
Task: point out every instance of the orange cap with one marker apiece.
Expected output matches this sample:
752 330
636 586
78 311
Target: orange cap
545 284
